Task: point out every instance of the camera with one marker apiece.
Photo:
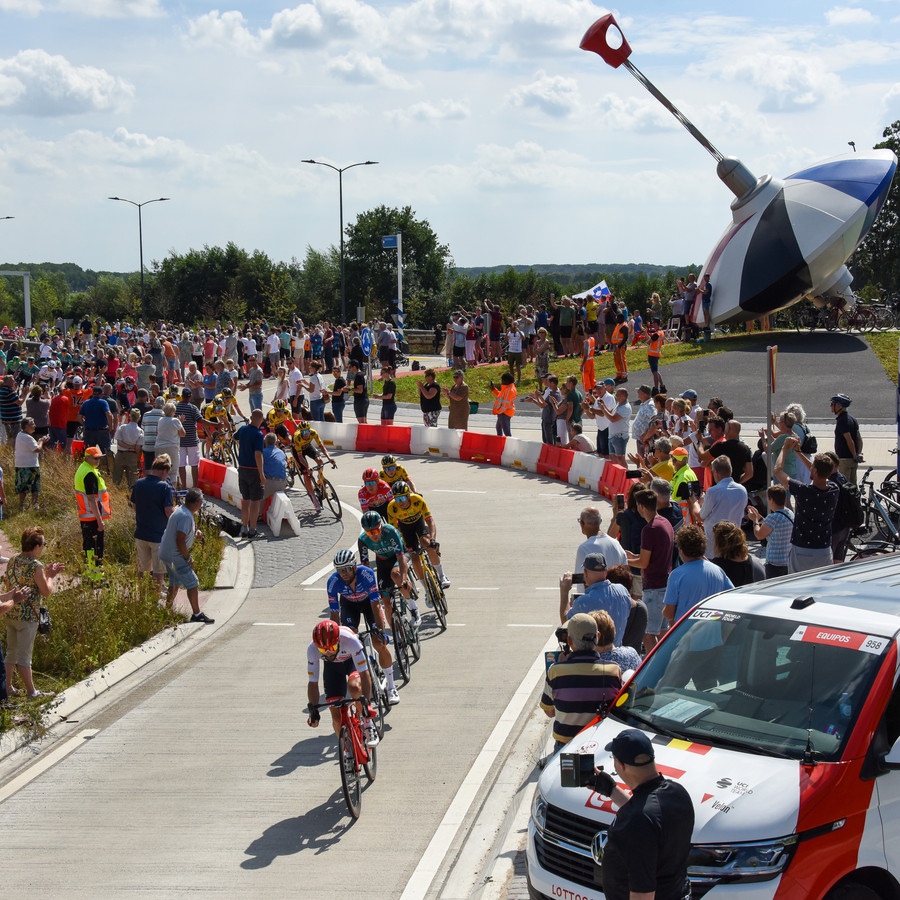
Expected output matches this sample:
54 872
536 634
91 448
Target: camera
578 578
576 770
562 635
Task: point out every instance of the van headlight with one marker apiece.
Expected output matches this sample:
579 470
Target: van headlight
539 810
755 861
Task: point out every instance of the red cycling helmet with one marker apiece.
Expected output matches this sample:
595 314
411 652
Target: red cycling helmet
327 634
370 475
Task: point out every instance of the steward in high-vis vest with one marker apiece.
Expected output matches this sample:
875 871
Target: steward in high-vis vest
92 500
505 404
654 352
588 378
619 342
685 486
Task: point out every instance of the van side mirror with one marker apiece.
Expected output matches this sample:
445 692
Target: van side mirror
892 759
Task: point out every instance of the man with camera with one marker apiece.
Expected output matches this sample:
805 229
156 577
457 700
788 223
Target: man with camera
578 686
649 841
599 594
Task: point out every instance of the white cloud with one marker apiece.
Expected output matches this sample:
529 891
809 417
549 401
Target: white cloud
892 102
23 7
849 15
642 115
428 111
35 83
324 21
229 29
788 82
357 68
554 95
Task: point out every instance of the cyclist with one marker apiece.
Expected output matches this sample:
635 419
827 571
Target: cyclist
387 544
275 419
374 494
345 670
392 472
409 512
353 594
305 440
216 417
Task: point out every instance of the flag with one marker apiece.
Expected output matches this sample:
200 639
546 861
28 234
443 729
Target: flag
600 290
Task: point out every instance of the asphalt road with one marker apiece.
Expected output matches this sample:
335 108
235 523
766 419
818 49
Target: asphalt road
205 780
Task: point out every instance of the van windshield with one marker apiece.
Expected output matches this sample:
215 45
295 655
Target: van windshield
763 684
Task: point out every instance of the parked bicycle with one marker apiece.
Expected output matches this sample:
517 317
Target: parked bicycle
880 531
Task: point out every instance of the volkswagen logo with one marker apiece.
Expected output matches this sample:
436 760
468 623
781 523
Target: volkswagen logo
598 845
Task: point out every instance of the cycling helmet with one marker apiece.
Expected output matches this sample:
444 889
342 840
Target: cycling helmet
327 634
304 425
388 460
217 403
279 405
400 489
129 381
227 393
371 520
370 475
344 558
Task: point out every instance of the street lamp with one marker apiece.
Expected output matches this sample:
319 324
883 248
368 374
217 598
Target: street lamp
141 242
340 171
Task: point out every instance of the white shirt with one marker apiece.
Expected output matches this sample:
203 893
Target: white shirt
515 341
294 376
600 543
273 342
26 451
609 401
315 387
249 347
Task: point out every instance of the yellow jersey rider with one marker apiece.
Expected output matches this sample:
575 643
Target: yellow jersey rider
409 513
217 416
305 442
275 419
392 472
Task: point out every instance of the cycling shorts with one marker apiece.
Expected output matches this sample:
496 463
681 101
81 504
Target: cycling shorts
352 612
412 531
383 569
334 677
309 451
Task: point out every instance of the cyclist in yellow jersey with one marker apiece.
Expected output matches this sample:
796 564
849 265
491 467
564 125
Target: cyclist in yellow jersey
306 440
410 514
392 472
275 419
216 417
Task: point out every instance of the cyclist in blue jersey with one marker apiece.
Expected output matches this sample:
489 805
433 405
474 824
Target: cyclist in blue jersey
387 544
353 594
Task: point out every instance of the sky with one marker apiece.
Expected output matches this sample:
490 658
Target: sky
485 117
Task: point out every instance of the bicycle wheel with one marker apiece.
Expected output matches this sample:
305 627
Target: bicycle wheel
870 549
371 766
412 637
401 650
332 499
215 453
843 322
291 473
231 452
435 595
349 772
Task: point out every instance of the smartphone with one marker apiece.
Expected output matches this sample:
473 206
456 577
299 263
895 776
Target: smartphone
620 501
578 578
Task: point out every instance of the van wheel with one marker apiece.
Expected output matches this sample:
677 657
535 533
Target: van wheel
849 890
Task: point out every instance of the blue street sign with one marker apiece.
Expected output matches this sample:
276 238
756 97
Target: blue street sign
365 340
389 241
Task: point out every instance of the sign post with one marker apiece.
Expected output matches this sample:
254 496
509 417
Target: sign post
387 242
771 360
365 341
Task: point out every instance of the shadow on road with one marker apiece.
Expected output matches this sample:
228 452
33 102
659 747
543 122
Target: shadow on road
312 751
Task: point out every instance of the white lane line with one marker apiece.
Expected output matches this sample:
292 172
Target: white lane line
418 885
352 487
527 625
275 624
456 624
325 570
477 589
448 491
46 762
547 589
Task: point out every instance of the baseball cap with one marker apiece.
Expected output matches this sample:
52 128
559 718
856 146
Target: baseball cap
98 389
843 399
186 392
582 627
689 394
96 452
595 562
77 380
632 747
610 381
679 451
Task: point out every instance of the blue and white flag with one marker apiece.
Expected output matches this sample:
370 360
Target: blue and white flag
600 290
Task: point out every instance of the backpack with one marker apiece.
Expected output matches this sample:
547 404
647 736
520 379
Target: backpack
850 508
810 445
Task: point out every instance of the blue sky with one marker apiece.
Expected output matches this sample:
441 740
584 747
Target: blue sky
486 118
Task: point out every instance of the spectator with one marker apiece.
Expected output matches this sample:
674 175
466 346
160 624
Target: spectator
37 406
274 466
695 579
255 385
541 355
458 398
169 433
27 571
504 404
577 686
600 410
337 393
547 400
627 525
579 443
175 547
97 421
654 562
595 542
725 501
782 429
618 427
624 656
150 424
129 446
775 530
92 501
189 444
195 381
58 416
815 507
153 503
847 440
388 392
28 463
636 626
732 556
599 593
359 388
640 425
429 398
251 477
685 486
845 516
808 444
672 514
514 350
10 407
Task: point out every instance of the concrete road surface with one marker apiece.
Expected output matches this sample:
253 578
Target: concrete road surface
204 778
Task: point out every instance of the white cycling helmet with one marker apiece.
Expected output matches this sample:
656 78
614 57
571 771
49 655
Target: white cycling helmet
344 558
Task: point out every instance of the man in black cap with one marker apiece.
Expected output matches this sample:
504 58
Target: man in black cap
649 840
847 442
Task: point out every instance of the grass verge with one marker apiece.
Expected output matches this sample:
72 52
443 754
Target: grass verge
91 625
885 347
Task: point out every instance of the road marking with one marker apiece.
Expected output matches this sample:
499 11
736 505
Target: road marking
448 491
547 589
478 589
46 762
353 487
325 570
276 624
418 885
456 624
527 625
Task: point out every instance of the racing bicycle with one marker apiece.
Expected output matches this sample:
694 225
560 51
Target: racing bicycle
880 531
223 449
379 681
433 590
319 488
405 632
353 753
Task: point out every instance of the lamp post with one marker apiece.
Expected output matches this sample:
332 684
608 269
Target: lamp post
340 171
140 241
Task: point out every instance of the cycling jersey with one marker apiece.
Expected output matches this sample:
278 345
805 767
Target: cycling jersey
416 510
381 497
365 589
350 647
301 443
399 474
215 415
388 547
277 417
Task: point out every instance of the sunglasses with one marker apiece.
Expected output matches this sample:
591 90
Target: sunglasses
325 650
373 531
370 482
345 569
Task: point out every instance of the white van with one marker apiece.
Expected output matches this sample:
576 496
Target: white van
777 706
